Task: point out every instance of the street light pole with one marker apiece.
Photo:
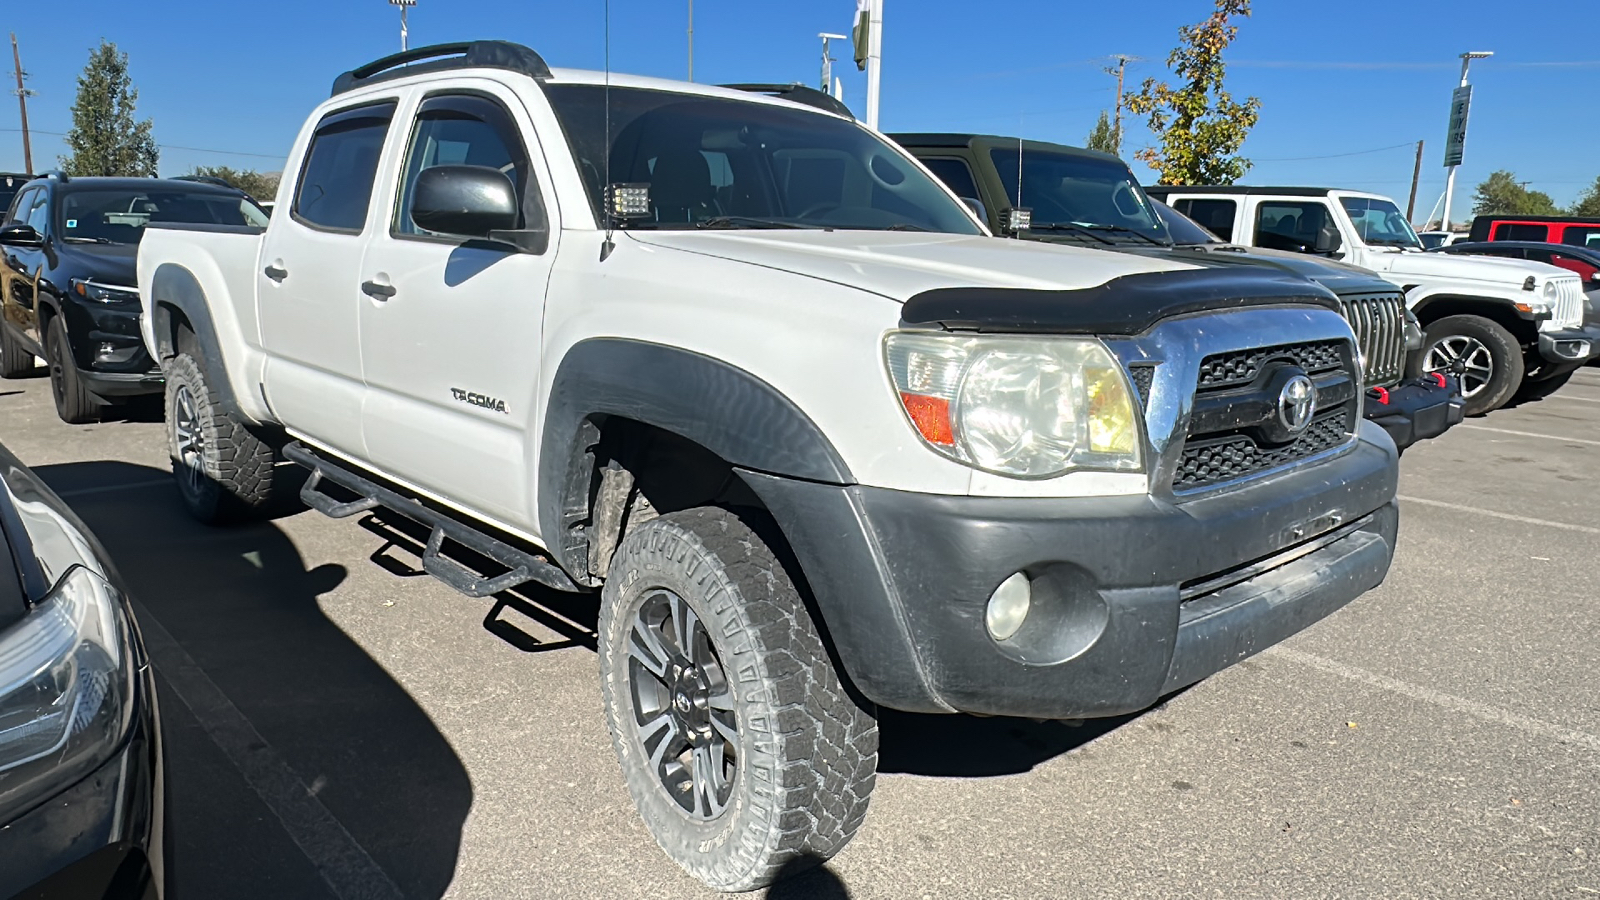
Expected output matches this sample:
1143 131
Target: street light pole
874 58
828 60
1455 142
405 36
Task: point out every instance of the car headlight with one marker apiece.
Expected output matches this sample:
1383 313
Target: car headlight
65 685
1018 406
104 293
1551 292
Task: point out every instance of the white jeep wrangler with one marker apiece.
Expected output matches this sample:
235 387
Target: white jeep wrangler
746 370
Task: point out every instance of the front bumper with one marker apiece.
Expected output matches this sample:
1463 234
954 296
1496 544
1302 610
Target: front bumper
102 837
109 350
1134 597
1571 347
1416 410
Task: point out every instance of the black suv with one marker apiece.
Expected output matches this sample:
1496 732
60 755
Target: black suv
67 286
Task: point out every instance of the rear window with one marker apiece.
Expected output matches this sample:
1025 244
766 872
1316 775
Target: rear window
1581 235
1520 231
1216 216
336 181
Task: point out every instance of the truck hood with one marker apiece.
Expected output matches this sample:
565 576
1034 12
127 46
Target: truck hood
1403 266
899 265
105 263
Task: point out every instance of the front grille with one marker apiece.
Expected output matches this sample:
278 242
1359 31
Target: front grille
1214 460
1142 378
1225 370
1379 321
1569 303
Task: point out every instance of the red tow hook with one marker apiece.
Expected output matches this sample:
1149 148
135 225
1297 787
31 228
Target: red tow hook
1439 377
1381 395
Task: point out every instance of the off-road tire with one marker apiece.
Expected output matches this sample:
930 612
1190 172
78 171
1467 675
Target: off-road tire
74 403
807 750
15 359
1539 389
1507 366
234 479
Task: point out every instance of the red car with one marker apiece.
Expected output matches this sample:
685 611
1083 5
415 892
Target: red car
1572 230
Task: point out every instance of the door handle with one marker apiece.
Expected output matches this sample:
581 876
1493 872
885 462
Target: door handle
377 291
275 272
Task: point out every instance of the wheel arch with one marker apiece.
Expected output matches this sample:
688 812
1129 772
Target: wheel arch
178 302
1434 307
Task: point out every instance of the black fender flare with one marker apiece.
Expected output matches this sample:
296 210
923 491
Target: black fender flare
174 287
730 412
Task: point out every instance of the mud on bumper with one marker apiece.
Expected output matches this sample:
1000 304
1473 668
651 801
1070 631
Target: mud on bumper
1134 597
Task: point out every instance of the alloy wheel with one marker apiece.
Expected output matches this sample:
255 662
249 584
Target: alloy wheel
188 440
1465 357
682 705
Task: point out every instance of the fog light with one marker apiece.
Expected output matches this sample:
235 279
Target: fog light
1008 607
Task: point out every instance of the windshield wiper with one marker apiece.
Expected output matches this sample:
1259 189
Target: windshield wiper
904 226
1213 247
88 240
1123 229
1070 226
748 222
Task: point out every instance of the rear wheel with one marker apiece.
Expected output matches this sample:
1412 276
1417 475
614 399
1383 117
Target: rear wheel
1482 355
15 359
223 471
74 404
744 753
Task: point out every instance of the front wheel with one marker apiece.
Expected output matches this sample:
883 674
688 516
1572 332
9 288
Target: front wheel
742 750
223 471
15 359
74 403
1482 355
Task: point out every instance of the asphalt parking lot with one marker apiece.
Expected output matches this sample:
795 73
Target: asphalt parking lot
341 727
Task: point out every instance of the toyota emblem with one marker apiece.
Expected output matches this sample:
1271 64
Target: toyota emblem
1296 404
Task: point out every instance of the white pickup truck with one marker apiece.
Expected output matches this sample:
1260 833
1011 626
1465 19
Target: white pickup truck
1506 329
746 370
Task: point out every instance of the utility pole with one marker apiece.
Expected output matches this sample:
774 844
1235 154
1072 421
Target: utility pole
405 36
828 60
1121 69
1416 175
1456 138
691 40
22 99
874 59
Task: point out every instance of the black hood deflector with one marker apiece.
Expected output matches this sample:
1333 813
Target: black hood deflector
1128 305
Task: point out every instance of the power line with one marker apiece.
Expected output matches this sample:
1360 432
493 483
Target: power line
1333 155
170 146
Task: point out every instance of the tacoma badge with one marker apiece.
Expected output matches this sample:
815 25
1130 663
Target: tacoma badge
486 402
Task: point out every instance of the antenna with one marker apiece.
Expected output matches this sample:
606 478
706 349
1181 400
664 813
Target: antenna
607 246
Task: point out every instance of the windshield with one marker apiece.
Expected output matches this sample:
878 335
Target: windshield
718 163
1069 190
1183 229
118 216
1379 223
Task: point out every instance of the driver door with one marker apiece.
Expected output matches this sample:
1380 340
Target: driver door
24 266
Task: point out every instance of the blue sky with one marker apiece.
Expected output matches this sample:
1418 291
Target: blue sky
1334 78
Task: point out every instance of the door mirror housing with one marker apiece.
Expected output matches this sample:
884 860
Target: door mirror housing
978 209
473 202
1328 240
19 234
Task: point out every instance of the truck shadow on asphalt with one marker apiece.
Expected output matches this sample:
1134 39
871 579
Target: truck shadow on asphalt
535 619
242 605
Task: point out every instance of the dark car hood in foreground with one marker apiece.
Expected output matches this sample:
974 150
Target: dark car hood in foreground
1339 277
106 263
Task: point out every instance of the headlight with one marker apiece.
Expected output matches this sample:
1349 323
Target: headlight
65 683
1025 407
1551 292
104 293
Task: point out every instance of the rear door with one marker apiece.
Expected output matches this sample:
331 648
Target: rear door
451 327
308 287
24 266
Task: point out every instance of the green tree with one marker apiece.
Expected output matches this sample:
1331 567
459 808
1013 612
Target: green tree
1589 203
1502 194
1104 137
105 139
1198 123
263 186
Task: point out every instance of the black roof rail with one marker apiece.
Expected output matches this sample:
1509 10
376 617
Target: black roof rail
55 174
444 57
799 93
205 179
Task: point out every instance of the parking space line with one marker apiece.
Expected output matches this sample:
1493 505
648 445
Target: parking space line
1578 399
1484 711
344 864
1548 437
1526 520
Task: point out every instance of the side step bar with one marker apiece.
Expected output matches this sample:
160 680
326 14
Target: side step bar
524 567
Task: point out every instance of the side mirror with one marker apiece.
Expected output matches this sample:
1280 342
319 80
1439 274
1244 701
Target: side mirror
18 234
977 208
1328 240
466 201
1594 276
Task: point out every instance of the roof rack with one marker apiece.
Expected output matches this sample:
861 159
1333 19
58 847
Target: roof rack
444 57
798 93
55 175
